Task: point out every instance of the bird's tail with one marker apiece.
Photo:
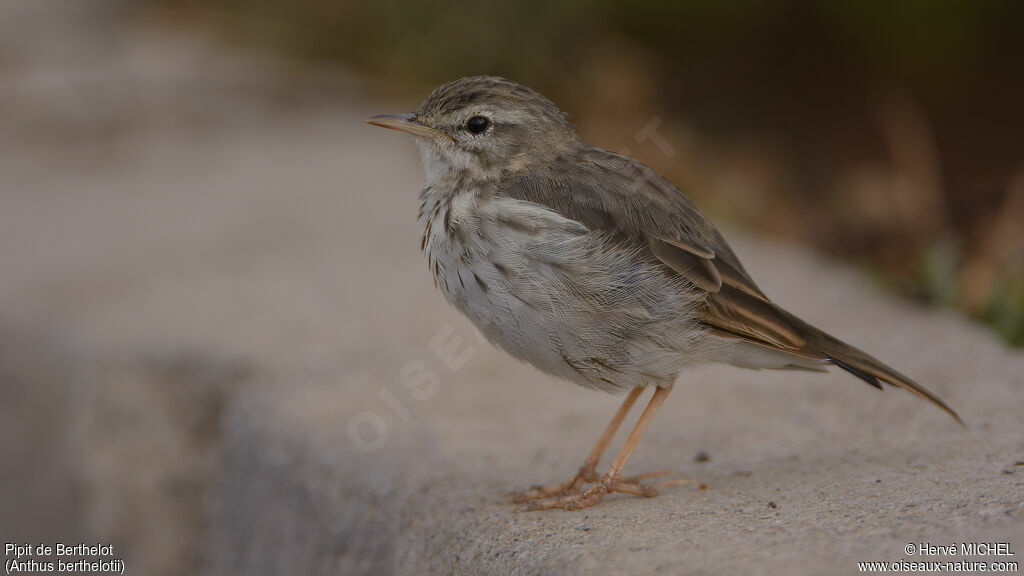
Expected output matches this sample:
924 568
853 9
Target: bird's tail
864 366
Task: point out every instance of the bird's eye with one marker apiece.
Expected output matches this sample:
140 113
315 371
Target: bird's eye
477 125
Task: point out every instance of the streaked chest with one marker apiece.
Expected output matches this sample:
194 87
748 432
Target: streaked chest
450 238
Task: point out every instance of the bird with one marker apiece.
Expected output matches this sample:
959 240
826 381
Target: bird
592 267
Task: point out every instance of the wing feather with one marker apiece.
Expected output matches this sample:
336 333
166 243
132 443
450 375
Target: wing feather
615 194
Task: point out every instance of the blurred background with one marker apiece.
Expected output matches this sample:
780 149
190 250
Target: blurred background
190 206
887 133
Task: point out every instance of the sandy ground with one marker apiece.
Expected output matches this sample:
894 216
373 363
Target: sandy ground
212 303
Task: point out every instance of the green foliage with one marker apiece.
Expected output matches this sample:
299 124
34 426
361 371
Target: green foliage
1005 310
937 274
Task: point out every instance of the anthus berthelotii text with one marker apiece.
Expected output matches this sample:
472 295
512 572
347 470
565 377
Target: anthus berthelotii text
591 266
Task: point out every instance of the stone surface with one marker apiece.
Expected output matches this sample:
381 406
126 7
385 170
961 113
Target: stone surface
805 471
224 352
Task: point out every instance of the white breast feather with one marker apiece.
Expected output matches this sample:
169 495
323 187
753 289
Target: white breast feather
569 300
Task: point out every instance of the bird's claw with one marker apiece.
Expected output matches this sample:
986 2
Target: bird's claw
586 474
591 495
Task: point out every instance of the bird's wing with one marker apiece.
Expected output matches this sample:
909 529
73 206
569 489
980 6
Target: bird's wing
610 192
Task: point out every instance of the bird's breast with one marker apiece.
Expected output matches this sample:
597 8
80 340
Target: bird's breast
545 288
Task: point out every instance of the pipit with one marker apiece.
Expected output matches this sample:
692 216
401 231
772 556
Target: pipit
591 266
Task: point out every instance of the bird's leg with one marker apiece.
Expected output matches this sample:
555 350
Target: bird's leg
611 482
586 472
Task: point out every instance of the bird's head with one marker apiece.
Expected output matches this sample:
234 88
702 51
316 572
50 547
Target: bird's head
483 127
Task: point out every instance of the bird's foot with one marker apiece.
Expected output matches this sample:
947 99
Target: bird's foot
568 488
606 485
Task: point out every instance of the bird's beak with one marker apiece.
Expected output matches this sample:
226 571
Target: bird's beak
406 123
